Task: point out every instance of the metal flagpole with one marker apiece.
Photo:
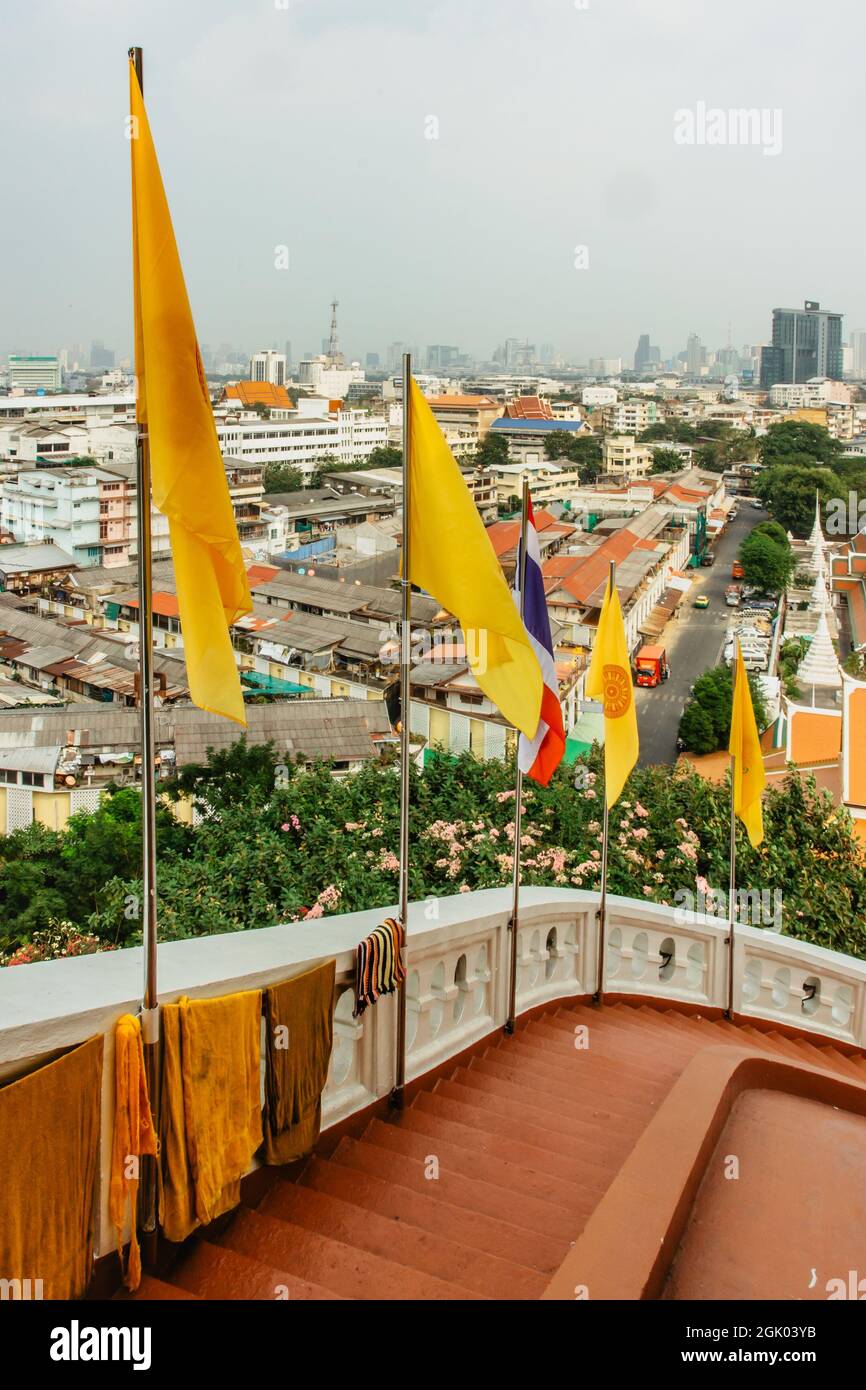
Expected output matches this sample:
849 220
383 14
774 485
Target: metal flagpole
605 832
150 999
732 893
397 1095
518 794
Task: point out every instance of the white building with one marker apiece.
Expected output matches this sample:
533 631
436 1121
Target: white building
623 456
327 380
35 373
269 366
303 441
599 395
818 391
629 417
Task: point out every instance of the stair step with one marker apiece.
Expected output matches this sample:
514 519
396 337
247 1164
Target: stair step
440 1254
152 1290
575 1094
596 1130
537 1056
432 1213
212 1271
393 1166
335 1265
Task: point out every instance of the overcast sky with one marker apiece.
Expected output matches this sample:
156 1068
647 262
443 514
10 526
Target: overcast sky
304 123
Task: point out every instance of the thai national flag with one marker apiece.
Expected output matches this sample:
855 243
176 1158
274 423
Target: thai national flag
540 756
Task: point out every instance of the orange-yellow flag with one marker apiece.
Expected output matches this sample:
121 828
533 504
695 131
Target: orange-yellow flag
188 477
609 680
745 748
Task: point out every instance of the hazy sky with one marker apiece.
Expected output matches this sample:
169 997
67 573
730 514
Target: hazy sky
303 123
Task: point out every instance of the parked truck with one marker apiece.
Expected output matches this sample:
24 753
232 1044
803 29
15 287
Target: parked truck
651 666
733 595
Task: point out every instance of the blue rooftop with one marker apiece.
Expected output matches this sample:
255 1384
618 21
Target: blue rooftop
542 426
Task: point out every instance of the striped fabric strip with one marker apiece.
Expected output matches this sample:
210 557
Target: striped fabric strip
380 966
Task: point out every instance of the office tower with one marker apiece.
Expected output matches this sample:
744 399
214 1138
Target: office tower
642 358
288 355
33 373
268 366
695 355
858 354
806 342
101 357
371 362
441 356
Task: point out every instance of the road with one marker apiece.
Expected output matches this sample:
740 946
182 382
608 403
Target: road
694 641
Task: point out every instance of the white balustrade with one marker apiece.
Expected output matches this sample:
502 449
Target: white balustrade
458 954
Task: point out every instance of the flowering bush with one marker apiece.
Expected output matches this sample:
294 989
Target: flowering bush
56 940
301 844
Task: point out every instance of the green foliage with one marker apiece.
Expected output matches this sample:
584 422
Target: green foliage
280 842
788 490
585 450
705 725
384 456
666 461
791 438
492 452
768 564
281 477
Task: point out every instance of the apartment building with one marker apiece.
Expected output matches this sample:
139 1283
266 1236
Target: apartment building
624 457
466 417
629 417
302 441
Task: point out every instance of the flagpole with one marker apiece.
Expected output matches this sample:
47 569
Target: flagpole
150 998
605 836
518 792
397 1095
732 891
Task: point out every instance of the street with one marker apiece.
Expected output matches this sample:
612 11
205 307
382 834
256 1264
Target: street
694 641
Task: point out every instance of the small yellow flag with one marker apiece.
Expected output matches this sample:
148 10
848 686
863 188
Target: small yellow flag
188 477
745 749
609 680
450 556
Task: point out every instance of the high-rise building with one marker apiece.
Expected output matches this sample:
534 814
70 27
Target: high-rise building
696 355
646 354
371 362
806 342
858 354
268 366
441 356
288 356
101 357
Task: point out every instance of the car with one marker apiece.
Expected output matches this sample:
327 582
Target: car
758 505
702 601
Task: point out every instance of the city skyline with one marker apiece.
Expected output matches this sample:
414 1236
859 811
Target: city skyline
541 195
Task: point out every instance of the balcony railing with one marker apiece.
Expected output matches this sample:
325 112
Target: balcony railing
457 983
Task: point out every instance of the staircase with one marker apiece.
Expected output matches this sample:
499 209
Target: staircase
478 1188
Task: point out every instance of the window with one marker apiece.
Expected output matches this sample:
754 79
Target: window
33 779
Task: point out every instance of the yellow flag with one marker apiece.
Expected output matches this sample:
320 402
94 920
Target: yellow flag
745 749
450 556
188 477
609 680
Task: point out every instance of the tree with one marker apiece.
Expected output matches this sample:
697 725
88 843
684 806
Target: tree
705 725
492 452
282 477
666 461
384 456
772 529
789 438
584 450
767 565
788 490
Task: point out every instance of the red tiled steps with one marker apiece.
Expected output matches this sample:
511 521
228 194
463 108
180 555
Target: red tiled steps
527 1136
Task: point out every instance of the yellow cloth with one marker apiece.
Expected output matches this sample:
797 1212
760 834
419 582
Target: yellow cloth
299 1032
49 1160
189 481
609 680
450 556
210 1113
133 1136
744 747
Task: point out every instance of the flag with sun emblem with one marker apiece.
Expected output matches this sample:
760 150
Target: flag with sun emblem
609 680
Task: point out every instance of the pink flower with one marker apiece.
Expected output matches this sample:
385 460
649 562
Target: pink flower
464 888
647 890
315 911
640 810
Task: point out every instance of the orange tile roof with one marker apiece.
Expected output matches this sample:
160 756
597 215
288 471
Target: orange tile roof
261 574
163 604
528 408
815 737
251 393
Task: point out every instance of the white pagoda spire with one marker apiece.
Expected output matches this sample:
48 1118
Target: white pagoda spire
817 544
820 600
820 667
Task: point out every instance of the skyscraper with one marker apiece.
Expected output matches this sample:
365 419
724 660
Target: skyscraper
695 355
646 355
268 366
807 342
